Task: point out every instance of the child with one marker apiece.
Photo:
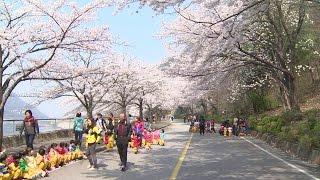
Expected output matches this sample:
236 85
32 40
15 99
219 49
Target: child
109 141
12 164
139 128
78 153
67 152
156 137
4 171
61 154
148 139
106 140
33 169
42 161
135 142
60 148
72 149
162 138
22 163
154 141
72 146
53 156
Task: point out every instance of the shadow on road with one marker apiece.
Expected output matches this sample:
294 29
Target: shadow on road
157 163
232 158
208 157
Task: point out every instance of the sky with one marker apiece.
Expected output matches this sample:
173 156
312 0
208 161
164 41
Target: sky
135 26
138 28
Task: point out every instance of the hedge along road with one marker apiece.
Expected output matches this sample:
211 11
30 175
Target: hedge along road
196 157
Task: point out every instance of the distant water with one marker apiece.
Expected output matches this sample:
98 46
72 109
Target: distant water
12 128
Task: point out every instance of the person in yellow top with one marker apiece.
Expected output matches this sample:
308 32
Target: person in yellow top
93 137
33 170
41 160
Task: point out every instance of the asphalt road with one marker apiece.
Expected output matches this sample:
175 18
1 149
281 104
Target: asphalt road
197 157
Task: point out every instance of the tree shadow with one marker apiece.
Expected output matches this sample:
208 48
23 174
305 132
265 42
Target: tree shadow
209 157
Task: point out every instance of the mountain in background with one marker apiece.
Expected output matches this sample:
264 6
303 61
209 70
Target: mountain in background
16 106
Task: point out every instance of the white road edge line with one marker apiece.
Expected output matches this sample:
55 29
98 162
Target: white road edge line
282 160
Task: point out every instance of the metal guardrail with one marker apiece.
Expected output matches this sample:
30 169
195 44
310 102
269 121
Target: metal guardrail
13 126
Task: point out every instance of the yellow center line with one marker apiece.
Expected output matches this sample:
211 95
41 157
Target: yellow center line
183 154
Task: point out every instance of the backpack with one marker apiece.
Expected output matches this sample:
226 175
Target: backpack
103 124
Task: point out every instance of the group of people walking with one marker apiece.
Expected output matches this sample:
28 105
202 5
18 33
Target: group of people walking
95 129
98 129
198 123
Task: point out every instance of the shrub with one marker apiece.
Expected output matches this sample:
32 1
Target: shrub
290 127
270 125
253 122
259 128
287 136
292 115
316 128
259 102
315 141
216 117
305 140
303 128
294 131
313 113
312 116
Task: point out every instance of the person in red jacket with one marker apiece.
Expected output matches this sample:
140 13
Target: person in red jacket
135 142
30 128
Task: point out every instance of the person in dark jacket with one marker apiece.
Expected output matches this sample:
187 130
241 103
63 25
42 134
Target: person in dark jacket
202 125
123 134
109 126
30 128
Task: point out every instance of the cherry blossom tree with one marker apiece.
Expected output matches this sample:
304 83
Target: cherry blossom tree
212 37
35 33
172 93
98 75
150 82
127 87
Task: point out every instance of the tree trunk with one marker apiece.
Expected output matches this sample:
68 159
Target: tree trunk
150 112
204 107
141 108
281 96
311 74
289 93
1 98
89 112
124 109
192 109
1 127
